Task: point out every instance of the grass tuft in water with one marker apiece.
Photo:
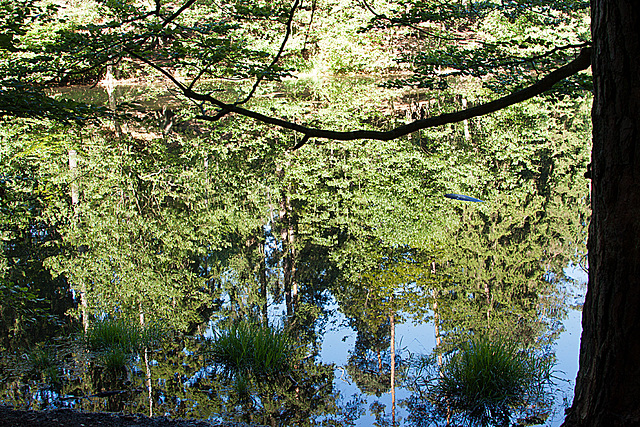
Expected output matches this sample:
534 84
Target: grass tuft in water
43 362
116 340
487 379
247 348
114 359
41 359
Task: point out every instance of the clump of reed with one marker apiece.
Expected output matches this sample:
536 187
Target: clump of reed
247 349
43 362
115 341
486 380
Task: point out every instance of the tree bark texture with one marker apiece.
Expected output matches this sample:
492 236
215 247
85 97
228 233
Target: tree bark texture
608 384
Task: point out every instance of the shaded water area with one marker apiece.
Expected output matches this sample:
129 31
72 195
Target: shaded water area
346 285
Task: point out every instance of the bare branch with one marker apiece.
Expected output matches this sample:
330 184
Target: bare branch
138 18
200 74
167 74
301 143
516 61
519 61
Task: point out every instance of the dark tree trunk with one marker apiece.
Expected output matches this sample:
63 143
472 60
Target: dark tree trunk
608 382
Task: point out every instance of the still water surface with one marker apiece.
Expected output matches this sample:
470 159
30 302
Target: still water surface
175 226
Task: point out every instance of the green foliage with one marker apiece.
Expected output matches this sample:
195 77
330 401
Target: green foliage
113 359
155 237
368 363
270 381
506 44
185 221
27 64
499 258
34 301
43 362
334 44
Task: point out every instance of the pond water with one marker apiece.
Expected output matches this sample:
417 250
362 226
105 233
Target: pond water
181 230
339 340
336 345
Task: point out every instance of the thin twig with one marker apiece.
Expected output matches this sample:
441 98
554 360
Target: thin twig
276 58
178 12
200 74
407 24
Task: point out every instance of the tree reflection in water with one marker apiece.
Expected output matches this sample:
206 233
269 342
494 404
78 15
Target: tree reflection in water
184 229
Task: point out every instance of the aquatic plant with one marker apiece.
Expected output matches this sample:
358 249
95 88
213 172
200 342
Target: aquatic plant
130 336
116 340
248 348
114 359
43 363
40 358
486 380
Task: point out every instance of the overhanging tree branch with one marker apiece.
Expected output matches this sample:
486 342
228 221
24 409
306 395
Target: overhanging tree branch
581 62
